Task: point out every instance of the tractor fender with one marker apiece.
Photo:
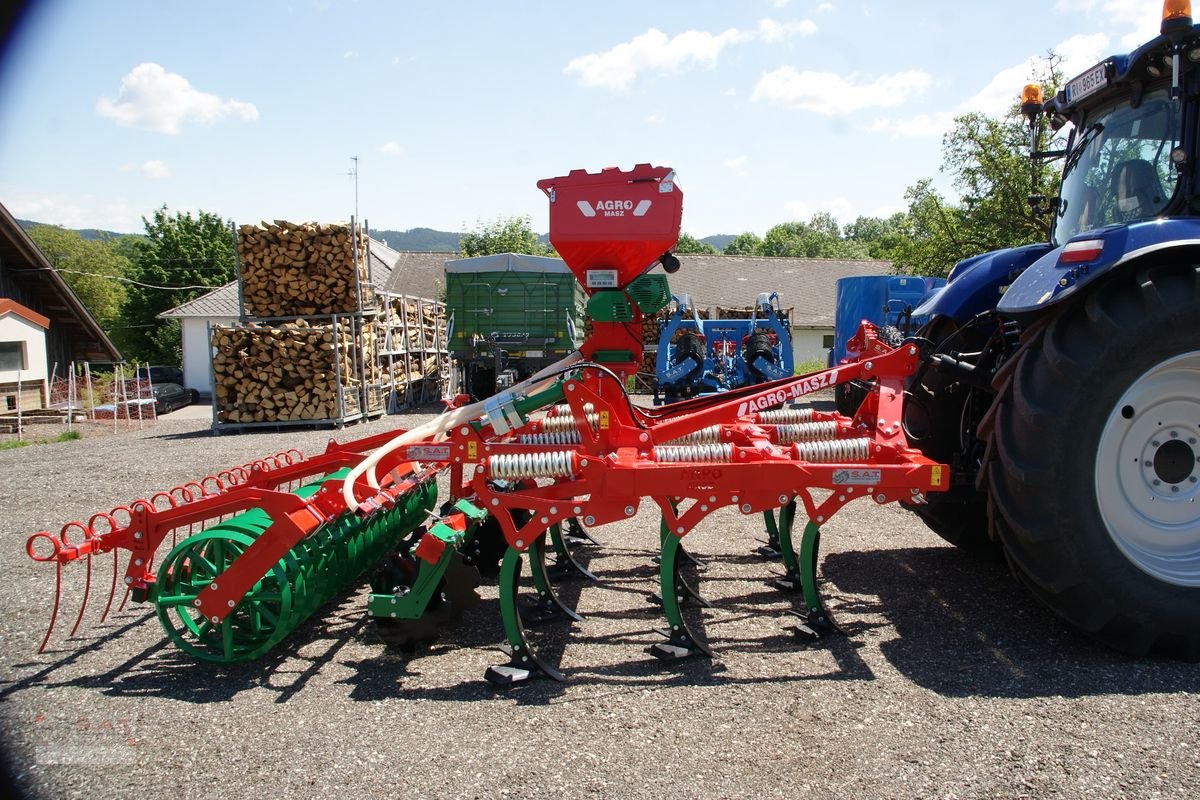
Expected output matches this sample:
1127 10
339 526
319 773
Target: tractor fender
975 284
1050 280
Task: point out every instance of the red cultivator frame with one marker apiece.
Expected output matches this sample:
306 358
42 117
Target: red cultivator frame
566 447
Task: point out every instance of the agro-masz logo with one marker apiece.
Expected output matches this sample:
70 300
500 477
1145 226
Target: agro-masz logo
613 208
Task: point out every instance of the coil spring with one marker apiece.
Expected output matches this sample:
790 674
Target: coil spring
805 432
566 422
709 435
556 438
565 409
785 416
550 464
693 452
833 450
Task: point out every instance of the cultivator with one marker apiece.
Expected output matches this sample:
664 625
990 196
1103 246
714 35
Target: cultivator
529 471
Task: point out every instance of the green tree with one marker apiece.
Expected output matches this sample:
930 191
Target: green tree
503 235
182 257
744 244
92 268
690 244
881 236
818 238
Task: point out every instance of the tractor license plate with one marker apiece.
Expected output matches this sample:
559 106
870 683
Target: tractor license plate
1088 83
533 353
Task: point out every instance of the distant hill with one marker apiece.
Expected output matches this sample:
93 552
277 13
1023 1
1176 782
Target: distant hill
719 241
423 240
84 233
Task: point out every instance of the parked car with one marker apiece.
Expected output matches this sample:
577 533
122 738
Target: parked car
162 374
170 396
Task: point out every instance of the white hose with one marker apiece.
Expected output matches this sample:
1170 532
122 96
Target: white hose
436 427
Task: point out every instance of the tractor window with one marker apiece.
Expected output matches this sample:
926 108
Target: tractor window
1119 168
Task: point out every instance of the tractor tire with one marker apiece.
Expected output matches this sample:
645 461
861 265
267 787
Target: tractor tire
937 415
1094 474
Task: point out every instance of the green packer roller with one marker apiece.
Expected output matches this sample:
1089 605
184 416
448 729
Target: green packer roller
310 574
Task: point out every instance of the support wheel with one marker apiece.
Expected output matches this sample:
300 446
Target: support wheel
1096 476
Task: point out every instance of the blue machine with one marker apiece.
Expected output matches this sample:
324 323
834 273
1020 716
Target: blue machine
1061 380
698 357
884 300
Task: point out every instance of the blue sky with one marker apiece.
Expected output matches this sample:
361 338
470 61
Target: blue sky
769 110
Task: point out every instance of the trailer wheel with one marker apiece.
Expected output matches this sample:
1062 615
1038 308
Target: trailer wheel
1096 478
940 415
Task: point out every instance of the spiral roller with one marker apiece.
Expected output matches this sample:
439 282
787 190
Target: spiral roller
709 435
691 453
553 438
805 432
549 464
784 416
830 451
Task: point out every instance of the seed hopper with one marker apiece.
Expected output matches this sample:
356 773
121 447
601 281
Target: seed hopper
255 550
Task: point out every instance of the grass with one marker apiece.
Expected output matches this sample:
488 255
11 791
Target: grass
805 367
65 436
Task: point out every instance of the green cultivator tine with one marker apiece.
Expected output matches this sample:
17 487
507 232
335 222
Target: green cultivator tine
565 565
549 606
524 662
817 622
681 641
792 578
772 548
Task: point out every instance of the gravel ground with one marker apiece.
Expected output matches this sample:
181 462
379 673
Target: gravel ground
950 681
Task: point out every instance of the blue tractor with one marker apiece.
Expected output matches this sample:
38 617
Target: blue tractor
1061 380
698 357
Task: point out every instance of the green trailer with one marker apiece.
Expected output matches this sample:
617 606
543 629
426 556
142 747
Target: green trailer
510 316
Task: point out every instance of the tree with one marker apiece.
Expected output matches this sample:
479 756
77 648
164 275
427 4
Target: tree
690 244
503 235
881 236
92 268
182 257
744 244
818 238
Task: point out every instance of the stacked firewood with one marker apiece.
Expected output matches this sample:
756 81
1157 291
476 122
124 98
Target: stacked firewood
292 371
302 269
416 324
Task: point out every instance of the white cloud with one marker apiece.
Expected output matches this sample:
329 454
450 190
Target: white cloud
1142 18
657 118
832 95
74 210
152 99
729 92
921 125
736 161
391 148
839 208
824 8
350 55
771 31
779 3
154 170
616 69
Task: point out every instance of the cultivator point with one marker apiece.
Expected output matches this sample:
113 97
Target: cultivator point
530 472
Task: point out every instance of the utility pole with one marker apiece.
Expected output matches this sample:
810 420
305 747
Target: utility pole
353 173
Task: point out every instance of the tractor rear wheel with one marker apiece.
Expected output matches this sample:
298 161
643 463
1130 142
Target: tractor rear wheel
1095 483
940 415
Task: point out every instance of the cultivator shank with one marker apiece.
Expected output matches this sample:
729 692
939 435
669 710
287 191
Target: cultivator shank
566 450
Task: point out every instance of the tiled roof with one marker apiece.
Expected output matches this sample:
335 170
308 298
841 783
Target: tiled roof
807 285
